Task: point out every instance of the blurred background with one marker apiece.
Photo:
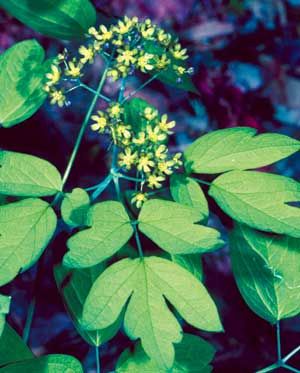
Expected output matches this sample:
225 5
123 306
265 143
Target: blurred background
246 56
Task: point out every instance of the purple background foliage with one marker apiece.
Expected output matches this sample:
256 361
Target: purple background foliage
246 56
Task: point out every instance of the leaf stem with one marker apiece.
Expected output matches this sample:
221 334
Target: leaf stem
101 186
140 87
278 340
138 241
98 361
292 369
291 354
105 98
269 368
29 319
200 181
83 128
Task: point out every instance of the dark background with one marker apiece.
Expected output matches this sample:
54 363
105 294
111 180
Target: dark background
246 56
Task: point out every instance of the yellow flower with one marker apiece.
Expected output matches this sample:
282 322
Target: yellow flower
144 163
144 62
105 34
123 70
141 139
161 152
73 70
139 198
154 181
150 113
165 167
147 29
92 31
154 134
127 56
123 131
54 76
100 122
163 37
114 74
125 26
178 52
87 53
57 97
162 62
127 158
115 110
164 125
181 70
177 161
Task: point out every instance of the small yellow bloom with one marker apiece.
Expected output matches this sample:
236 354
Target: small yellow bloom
100 122
177 160
162 62
54 76
181 70
139 198
115 110
127 158
154 134
127 56
164 125
57 97
123 131
88 54
147 29
74 70
124 26
178 52
161 152
144 62
163 37
154 181
165 167
141 139
150 113
144 163
105 34
114 74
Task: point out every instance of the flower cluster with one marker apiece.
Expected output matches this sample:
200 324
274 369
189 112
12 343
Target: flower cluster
128 45
142 149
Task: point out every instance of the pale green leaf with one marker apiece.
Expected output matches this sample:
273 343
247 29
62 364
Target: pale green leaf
148 282
4 309
63 19
266 269
192 355
12 347
21 79
188 192
26 175
110 230
259 200
46 364
26 228
172 227
237 149
74 286
191 262
74 207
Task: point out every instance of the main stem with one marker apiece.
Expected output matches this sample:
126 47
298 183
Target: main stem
98 362
83 128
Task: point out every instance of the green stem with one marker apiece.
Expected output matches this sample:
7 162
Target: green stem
29 319
98 362
278 340
288 367
101 187
107 99
201 181
138 241
83 128
291 354
140 87
125 177
269 368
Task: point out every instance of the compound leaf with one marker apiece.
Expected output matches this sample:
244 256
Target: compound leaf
27 176
63 19
266 269
146 283
172 227
22 71
109 230
26 228
259 200
237 149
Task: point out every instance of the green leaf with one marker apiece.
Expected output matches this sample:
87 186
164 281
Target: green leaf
191 262
22 72
259 200
25 175
12 347
188 192
133 113
110 230
74 207
63 19
46 364
148 282
192 355
26 228
237 149
4 310
171 226
74 287
266 269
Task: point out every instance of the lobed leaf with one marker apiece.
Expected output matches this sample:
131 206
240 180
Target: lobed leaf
259 200
22 72
172 227
146 283
26 228
27 176
266 269
63 19
237 149
110 229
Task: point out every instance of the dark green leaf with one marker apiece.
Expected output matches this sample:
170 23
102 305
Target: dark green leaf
74 208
